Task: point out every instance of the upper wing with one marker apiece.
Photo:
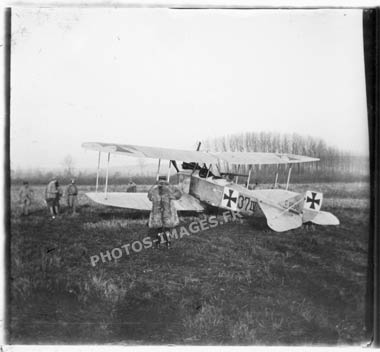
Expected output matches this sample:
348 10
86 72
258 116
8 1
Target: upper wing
140 201
255 158
152 152
249 158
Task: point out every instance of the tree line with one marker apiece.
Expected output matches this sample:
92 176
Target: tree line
335 165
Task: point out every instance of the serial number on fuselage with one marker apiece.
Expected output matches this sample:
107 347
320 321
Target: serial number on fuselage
246 203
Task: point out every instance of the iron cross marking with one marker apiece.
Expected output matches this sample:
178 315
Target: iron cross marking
312 200
229 198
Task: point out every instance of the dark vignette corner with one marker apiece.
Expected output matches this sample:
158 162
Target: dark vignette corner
371 33
6 202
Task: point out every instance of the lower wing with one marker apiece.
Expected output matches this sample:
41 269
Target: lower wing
140 201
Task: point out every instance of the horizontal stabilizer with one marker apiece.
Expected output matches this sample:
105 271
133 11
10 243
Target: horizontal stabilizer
280 220
325 218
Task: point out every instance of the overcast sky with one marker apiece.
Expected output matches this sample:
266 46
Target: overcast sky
165 77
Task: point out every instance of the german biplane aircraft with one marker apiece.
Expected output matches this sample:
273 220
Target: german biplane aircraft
205 186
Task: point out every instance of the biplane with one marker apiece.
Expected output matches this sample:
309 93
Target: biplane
205 186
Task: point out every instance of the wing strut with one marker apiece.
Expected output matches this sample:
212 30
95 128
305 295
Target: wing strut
276 178
237 177
108 163
97 174
158 169
194 168
287 182
175 165
249 176
208 171
170 165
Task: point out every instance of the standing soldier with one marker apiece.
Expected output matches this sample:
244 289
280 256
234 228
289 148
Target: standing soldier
164 214
58 197
25 196
51 196
72 196
131 186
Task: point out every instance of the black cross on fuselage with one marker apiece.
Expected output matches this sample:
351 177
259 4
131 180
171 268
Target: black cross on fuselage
313 200
230 198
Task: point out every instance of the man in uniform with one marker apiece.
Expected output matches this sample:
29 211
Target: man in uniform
163 216
50 197
131 186
72 196
25 196
58 197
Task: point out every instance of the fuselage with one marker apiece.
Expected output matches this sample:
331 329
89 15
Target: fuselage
221 193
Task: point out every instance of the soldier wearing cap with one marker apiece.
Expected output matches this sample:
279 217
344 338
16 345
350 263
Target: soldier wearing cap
131 186
58 196
72 196
163 216
51 194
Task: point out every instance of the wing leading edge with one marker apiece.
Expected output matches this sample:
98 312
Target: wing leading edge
248 158
140 201
152 152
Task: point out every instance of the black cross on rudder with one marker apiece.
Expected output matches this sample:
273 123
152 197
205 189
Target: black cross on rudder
312 200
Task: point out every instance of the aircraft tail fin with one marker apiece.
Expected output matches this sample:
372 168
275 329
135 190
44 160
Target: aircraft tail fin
312 212
287 210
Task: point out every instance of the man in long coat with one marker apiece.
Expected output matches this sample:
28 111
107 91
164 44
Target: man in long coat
25 195
51 196
164 214
72 196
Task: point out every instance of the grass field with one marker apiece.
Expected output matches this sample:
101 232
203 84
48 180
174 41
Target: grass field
238 283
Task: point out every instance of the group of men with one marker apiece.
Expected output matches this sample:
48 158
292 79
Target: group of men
53 194
163 216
